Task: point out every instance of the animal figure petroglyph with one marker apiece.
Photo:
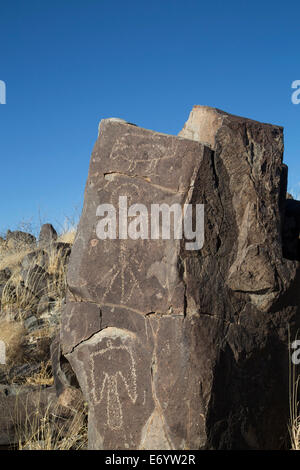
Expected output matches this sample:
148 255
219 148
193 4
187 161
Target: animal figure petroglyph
147 155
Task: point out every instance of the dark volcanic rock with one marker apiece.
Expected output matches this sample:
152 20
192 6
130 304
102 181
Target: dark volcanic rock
39 257
36 279
175 348
17 239
45 305
47 234
63 374
291 230
62 250
4 275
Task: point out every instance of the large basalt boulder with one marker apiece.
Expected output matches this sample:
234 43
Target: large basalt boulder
250 155
176 348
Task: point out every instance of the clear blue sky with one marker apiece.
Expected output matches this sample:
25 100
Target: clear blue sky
69 63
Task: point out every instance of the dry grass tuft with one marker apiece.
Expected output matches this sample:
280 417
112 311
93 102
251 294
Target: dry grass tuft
294 426
68 237
18 300
53 431
13 334
42 378
11 259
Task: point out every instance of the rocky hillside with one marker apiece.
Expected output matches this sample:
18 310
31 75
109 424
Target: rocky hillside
32 295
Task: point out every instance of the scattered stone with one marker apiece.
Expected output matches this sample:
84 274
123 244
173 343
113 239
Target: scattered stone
19 373
45 305
4 275
71 398
38 257
31 323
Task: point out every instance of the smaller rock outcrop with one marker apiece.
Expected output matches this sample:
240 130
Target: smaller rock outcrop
47 234
18 239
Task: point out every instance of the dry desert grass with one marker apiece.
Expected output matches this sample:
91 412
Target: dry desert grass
52 431
17 299
12 334
42 433
294 424
47 431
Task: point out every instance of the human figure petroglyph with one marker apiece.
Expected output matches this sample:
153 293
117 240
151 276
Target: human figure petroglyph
122 275
120 365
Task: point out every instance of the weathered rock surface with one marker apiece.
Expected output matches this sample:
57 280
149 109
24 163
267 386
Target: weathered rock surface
47 234
17 239
250 154
179 349
64 377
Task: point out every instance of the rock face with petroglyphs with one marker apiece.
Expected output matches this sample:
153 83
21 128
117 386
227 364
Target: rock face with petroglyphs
178 348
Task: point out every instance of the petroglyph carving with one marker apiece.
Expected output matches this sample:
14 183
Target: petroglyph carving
147 155
122 275
151 364
121 372
124 270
